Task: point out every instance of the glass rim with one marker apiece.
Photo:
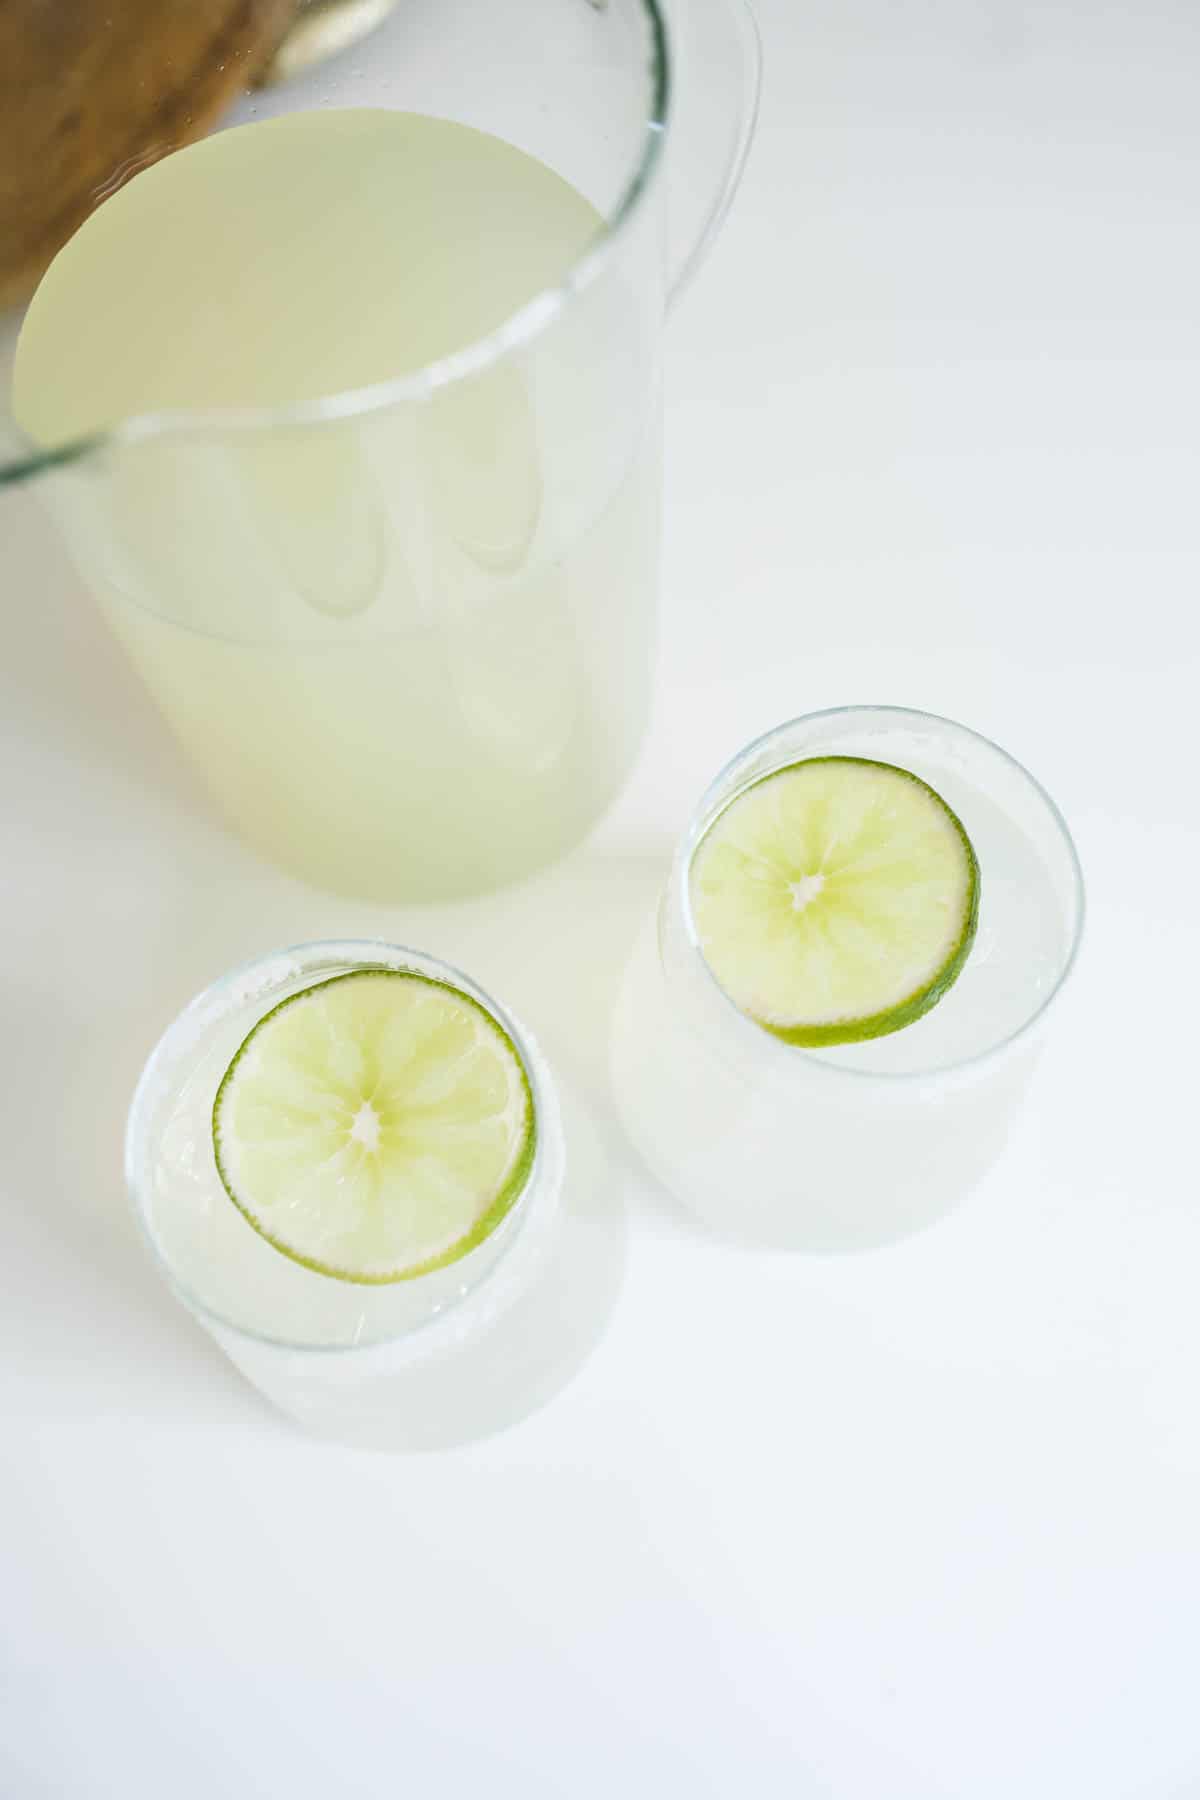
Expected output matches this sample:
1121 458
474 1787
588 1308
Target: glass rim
333 951
713 802
519 328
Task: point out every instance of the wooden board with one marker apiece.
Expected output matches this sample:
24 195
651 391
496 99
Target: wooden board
91 91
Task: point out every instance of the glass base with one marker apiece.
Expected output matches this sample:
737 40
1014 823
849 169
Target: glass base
520 1359
801 1170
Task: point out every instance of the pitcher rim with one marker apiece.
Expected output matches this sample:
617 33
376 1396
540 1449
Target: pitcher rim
518 328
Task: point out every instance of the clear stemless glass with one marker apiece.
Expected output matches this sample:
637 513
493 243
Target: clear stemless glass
857 1145
405 630
417 1364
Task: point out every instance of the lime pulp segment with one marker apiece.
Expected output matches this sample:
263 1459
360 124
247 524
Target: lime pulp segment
375 1126
835 900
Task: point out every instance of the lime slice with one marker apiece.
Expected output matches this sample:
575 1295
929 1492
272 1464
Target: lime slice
376 1126
835 900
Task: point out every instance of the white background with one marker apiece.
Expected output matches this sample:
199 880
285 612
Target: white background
918 1525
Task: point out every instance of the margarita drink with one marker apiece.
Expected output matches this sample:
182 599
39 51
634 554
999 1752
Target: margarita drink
406 640
838 1144
349 1163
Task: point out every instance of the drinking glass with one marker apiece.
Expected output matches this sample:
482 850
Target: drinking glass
858 1144
411 1365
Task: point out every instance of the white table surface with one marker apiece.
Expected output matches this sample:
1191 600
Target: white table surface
922 1524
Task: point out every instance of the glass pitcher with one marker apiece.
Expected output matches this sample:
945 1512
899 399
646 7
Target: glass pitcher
405 631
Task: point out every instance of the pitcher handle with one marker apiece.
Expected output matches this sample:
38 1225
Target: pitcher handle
738 29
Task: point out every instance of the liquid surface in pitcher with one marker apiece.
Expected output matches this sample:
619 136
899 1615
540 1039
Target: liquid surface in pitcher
282 261
408 648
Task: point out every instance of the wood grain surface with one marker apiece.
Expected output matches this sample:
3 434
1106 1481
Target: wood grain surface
91 91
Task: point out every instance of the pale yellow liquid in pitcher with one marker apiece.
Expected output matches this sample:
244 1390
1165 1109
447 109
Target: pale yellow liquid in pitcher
409 647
